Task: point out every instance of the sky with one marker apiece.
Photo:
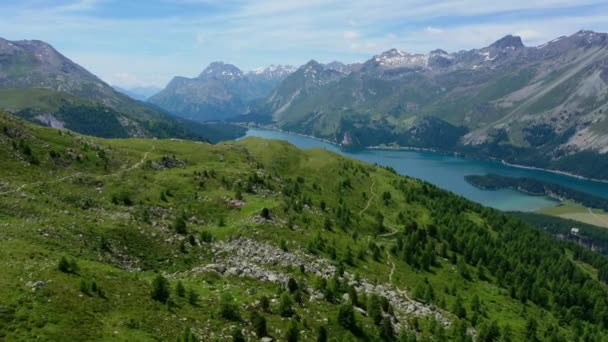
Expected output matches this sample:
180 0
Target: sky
134 43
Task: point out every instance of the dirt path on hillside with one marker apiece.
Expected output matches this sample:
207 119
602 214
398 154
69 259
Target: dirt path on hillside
371 197
61 179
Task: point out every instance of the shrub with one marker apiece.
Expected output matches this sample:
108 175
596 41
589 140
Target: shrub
66 266
228 309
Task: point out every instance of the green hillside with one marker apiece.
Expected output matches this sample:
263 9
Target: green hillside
137 239
92 118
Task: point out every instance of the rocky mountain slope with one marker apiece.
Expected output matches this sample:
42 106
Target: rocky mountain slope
39 83
147 239
221 91
541 106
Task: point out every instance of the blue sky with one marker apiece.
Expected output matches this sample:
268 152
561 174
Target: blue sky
136 42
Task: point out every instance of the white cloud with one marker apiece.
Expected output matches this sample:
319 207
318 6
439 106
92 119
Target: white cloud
78 6
251 33
433 30
350 35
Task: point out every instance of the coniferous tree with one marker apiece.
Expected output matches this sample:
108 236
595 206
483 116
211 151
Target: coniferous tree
387 332
286 305
346 317
293 333
489 332
180 225
237 335
228 309
180 290
160 289
459 309
374 309
192 297
530 332
259 324
322 334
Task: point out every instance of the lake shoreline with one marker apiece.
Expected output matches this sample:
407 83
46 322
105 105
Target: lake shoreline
563 173
434 150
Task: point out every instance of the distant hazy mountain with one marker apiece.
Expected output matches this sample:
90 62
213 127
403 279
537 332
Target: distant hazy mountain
138 93
42 85
221 91
543 106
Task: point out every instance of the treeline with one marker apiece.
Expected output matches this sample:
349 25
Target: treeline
531 266
495 247
539 187
597 236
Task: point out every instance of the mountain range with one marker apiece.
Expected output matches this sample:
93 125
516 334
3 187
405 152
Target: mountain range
40 84
541 106
220 91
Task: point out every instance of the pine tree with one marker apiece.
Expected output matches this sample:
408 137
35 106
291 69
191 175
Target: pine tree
531 327
387 332
292 285
286 305
228 309
265 304
322 334
180 290
259 324
293 333
180 226
459 309
346 317
489 332
192 297
237 335
374 309
160 289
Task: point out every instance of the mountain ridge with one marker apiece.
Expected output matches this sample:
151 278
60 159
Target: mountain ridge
542 106
39 83
219 92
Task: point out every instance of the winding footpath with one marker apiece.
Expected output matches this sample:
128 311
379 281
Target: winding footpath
369 201
390 277
61 179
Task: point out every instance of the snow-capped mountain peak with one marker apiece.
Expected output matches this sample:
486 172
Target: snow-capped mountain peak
221 70
395 58
273 71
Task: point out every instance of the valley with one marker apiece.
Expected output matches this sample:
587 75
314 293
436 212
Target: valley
456 191
177 239
448 172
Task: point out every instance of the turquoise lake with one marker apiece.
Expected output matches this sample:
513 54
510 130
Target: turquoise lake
448 171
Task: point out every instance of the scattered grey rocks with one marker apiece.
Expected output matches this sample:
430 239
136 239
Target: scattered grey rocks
168 162
245 257
36 285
